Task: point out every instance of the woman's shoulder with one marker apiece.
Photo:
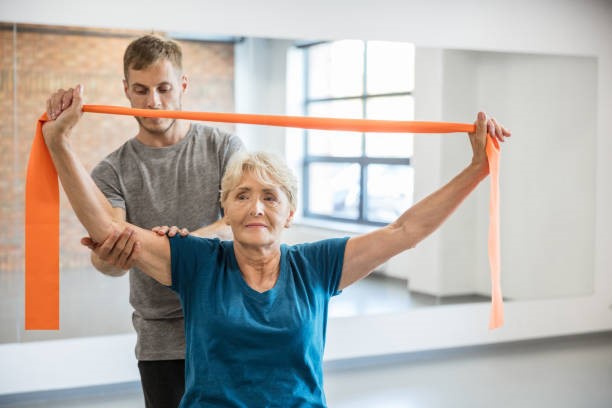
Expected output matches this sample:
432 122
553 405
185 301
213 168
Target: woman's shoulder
317 248
195 243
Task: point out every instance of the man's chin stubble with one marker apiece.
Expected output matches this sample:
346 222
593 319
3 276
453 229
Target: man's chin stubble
155 131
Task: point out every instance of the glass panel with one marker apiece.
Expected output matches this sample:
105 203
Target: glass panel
334 189
335 69
390 144
11 191
390 67
390 191
330 143
91 304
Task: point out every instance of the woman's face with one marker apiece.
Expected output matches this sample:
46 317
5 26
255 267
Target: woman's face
257 212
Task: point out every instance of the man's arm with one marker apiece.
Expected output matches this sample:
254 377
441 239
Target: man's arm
218 229
114 256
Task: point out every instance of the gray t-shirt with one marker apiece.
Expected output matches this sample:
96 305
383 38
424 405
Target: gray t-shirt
174 185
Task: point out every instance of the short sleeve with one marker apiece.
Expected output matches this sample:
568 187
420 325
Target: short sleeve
107 180
232 144
188 256
325 260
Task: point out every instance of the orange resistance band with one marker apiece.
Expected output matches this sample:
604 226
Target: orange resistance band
42 199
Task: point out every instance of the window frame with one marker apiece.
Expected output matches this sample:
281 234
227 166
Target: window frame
363 161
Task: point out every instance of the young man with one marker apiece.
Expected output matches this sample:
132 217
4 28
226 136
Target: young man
168 174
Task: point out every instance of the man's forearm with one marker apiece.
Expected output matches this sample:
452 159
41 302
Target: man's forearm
217 229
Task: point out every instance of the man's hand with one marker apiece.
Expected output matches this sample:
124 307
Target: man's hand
170 231
117 251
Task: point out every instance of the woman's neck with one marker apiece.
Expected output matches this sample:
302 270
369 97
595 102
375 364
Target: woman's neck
259 266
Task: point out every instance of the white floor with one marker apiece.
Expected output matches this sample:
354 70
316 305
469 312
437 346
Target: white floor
572 372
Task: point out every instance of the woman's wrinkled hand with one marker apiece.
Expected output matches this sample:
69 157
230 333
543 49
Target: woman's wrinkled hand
485 127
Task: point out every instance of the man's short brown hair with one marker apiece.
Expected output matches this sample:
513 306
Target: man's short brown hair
148 49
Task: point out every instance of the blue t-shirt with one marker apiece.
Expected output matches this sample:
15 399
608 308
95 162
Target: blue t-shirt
251 349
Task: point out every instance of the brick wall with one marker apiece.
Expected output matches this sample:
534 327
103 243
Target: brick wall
37 60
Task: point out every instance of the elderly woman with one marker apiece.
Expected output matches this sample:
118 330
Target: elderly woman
256 310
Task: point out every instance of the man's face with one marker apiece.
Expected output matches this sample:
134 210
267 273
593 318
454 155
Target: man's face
159 86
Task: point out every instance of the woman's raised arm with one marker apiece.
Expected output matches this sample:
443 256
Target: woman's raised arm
365 252
90 205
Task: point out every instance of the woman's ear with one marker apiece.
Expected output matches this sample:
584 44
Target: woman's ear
225 217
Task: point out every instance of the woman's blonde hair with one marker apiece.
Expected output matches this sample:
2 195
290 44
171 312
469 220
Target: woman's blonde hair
267 167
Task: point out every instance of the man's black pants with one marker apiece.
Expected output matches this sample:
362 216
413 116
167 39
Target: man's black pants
163 382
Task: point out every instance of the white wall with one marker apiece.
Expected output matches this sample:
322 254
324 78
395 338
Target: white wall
260 63
545 26
548 180
422 267
548 171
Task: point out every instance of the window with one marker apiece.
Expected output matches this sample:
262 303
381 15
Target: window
358 177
